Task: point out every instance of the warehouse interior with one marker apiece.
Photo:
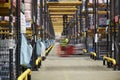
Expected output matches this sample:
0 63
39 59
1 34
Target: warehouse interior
59 39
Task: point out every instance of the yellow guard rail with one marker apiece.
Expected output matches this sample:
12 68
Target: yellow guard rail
24 75
110 60
38 61
84 51
93 55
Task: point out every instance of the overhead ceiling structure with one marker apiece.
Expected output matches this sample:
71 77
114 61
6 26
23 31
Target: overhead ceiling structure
60 8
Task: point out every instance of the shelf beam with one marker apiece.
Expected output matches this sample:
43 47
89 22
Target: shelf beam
62 9
65 3
90 5
62 13
62 6
59 16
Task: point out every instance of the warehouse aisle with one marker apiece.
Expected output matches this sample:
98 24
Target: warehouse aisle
73 68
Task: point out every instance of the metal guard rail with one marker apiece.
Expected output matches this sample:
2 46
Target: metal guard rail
25 75
46 52
110 62
93 55
38 60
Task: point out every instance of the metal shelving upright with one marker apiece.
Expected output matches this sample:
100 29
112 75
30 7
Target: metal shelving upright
79 22
110 54
34 33
118 38
95 27
86 24
10 41
18 28
101 43
90 25
102 34
108 27
114 31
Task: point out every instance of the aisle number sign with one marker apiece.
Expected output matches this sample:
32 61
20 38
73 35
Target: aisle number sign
23 23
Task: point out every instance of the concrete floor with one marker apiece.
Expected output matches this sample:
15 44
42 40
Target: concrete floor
73 68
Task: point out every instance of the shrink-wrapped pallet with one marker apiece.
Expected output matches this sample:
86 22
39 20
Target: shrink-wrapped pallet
28 1
26 51
0 18
28 15
6 18
90 1
14 3
27 6
28 10
116 18
100 1
7 59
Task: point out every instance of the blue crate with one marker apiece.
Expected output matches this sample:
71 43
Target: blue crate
91 49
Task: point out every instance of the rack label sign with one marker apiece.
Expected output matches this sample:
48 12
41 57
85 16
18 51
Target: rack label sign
23 23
